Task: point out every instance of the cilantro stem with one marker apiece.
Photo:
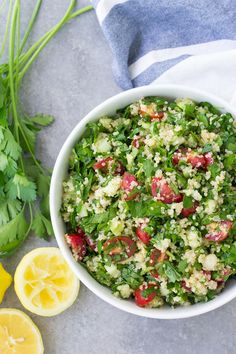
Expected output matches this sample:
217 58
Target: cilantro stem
30 25
36 48
7 29
50 35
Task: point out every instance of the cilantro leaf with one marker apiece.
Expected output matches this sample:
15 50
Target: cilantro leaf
187 202
20 187
8 210
42 226
12 234
3 161
43 184
145 208
12 148
148 168
42 119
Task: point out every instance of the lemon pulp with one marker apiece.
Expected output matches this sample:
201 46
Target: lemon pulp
44 282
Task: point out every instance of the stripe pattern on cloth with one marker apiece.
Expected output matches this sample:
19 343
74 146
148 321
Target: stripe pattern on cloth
149 37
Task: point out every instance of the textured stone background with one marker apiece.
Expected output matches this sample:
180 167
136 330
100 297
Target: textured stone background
71 77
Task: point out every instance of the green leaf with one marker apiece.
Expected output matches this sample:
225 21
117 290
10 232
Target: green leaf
8 210
182 265
12 234
3 161
214 169
132 277
207 148
148 168
12 148
29 135
203 119
43 184
20 187
42 226
172 274
145 208
187 202
42 119
231 147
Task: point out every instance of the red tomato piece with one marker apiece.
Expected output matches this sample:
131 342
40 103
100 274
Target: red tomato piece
137 142
145 294
218 231
154 274
102 164
208 159
157 115
143 235
207 274
185 287
77 244
120 248
196 160
166 194
186 212
150 110
224 273
87 238
128 183
120 169
156 256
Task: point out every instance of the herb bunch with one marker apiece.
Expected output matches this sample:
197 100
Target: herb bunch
24 182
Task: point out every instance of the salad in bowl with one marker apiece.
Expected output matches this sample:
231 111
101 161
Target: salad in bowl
147 207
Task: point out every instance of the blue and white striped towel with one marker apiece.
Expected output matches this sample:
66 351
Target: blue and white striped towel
190 42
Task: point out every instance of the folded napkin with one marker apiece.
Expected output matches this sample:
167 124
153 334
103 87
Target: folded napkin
172 41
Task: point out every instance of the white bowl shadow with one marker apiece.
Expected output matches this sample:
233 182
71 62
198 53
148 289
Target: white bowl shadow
60 172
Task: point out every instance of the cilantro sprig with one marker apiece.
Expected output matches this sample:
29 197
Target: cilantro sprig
24 181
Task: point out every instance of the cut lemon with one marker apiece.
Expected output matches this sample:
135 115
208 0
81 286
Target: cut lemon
44 283
18 333
5 282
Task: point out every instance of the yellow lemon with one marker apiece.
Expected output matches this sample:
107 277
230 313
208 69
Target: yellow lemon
44 283
5 282
18 333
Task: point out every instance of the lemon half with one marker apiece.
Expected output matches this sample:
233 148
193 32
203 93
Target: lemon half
44 283
18 333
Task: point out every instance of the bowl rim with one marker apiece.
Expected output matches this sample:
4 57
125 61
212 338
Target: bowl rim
129 96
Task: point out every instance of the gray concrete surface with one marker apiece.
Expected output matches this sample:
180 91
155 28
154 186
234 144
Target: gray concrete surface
73 75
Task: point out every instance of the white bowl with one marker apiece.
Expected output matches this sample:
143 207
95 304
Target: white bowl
60 172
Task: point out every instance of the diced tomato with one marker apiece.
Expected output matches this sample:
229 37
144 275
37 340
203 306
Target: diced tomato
209 159
120 169
102 164
226 272
154 273
150 110
156 256
185 287
218 231
143 235
128 183
207 274
186 212
145 294
166 194
77 244
196 160
120 248
157 115
137 142
87 238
